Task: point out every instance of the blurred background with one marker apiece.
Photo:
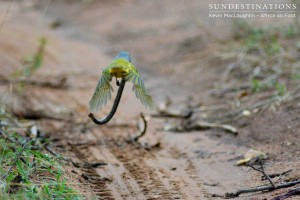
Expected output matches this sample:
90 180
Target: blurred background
241 72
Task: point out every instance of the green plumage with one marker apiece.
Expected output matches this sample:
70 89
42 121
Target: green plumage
121 67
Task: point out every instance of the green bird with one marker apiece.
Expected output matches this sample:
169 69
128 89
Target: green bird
121 67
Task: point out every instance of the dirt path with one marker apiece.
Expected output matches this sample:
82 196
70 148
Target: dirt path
176 60
172 171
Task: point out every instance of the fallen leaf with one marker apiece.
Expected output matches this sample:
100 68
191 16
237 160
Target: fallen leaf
250 155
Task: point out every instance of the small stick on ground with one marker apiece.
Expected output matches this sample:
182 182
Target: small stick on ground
173 114
262 170
226 127
190 124
60 156
54 153
261 188
278 174
199 125
290 193
93 165
142 131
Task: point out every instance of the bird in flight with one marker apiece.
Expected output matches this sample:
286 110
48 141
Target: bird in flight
121 67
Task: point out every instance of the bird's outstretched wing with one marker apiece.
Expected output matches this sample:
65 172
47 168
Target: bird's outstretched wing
102 92
139 88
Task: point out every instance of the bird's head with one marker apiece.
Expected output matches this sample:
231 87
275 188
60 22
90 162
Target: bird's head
125 55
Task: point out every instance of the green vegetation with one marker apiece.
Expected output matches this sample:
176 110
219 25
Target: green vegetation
32 63
261 40
26 171
258 86
265 56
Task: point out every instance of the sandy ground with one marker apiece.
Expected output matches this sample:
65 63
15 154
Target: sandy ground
174 45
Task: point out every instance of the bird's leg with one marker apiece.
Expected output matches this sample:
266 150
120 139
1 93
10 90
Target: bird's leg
117 82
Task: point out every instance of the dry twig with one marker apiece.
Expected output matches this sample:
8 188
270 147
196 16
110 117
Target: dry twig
200 125
290 193
262 170
226 127
261 188
60 156
173 114
142 131
189 124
